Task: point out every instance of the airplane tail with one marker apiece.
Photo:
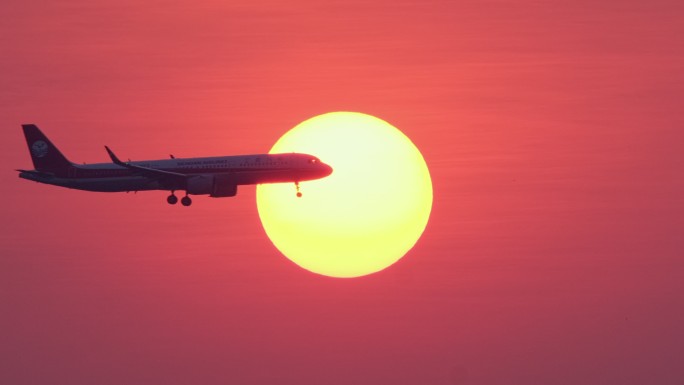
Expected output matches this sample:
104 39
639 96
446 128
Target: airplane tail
45 155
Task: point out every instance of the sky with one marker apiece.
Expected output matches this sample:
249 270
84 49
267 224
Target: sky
553 133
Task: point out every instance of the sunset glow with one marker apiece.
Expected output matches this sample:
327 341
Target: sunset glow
532 225
363 217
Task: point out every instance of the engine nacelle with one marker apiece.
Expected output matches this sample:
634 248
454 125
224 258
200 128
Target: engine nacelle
214 185
200 184
224 186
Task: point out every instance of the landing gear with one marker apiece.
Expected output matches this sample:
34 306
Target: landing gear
172 199
299 193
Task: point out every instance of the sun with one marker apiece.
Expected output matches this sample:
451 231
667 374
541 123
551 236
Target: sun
362 218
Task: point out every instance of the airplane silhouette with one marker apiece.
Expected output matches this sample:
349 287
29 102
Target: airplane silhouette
214 176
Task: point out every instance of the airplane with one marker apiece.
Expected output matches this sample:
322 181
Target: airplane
214 176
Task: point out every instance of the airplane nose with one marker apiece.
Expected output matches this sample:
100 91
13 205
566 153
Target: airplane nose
327 169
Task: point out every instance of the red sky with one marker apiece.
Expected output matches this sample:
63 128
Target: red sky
553 132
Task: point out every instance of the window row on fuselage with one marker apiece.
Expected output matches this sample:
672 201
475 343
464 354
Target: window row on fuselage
109 173
258 162
103 172
222 164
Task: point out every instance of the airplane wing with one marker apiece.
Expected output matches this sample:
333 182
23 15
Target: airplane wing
153 172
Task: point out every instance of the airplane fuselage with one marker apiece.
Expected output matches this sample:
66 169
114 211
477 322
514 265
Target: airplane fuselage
214 176
238 170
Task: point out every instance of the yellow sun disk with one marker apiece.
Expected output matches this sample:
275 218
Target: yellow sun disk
364 216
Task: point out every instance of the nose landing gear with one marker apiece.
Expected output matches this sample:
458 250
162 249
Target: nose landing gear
299 193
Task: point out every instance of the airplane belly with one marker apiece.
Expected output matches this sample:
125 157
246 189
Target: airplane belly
257 177
113 184
273 176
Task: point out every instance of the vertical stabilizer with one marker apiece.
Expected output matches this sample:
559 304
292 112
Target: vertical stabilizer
45 156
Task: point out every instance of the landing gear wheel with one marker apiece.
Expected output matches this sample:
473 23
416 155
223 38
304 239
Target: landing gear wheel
299 194
172 199
186 201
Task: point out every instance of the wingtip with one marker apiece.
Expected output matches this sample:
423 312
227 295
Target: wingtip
112 156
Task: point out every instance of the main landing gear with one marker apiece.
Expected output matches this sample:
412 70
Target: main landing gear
173 199
299 193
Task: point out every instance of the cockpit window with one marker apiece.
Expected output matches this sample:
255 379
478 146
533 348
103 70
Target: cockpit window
313 160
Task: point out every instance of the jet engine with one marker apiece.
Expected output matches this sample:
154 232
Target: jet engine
214 185
200 184
224 186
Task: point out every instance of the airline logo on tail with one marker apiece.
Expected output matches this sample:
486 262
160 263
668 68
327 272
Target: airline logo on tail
39 149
